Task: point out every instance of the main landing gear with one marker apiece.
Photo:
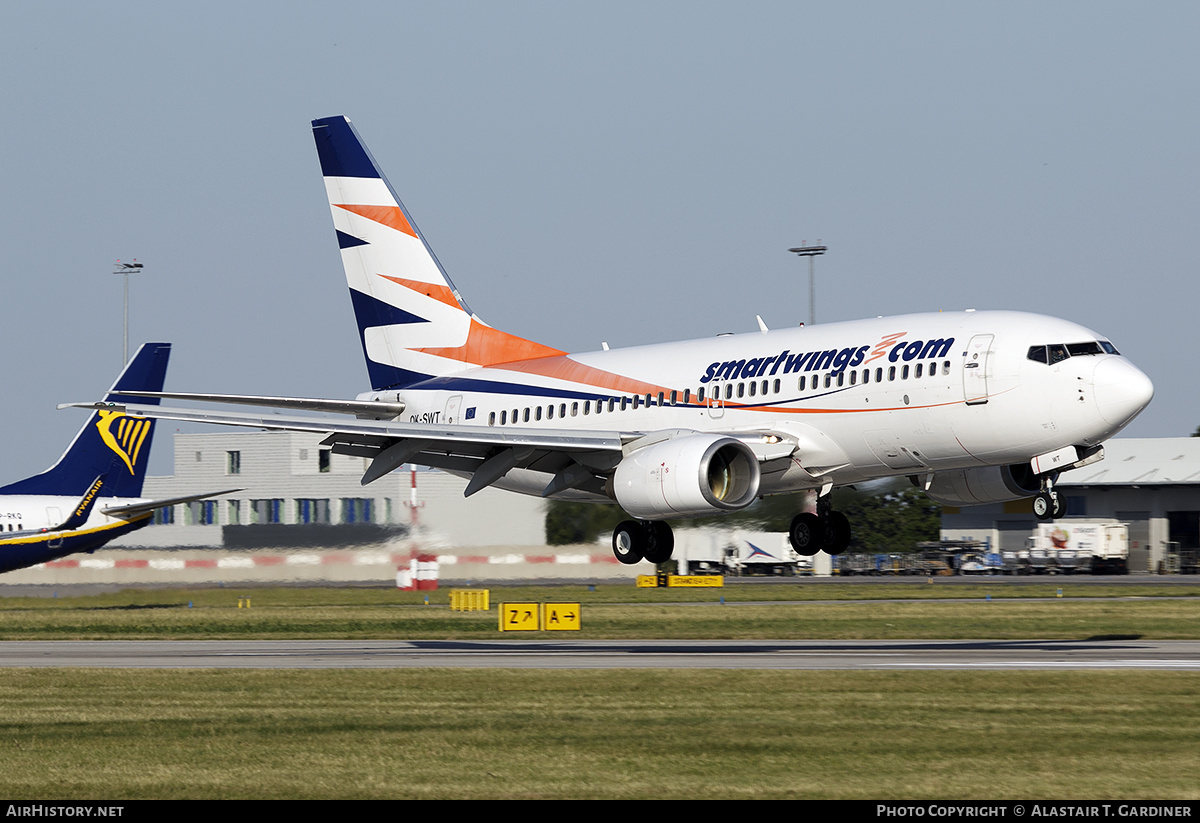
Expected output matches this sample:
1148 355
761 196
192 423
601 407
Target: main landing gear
637 540
826 530
1049 504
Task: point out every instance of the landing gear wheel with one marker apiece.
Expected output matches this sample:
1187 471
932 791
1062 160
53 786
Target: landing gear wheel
806 534
661 542
1043 506
837 533
628 542
1059 509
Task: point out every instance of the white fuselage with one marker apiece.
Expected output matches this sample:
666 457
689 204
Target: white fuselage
902 395
35 512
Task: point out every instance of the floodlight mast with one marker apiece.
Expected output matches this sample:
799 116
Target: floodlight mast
125 269
810 252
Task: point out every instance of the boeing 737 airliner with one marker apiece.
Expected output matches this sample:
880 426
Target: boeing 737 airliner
974 407
93 493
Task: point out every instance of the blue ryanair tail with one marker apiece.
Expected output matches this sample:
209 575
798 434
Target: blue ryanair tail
93 493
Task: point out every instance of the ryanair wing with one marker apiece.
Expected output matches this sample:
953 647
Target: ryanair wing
127 511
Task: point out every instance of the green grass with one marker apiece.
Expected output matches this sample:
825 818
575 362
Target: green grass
620 612
438 733
128 734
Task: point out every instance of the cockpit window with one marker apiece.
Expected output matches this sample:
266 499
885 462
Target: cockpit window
1057 352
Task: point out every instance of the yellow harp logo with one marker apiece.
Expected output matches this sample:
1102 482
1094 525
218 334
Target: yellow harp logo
126 442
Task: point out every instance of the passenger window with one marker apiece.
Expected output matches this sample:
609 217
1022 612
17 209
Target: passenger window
777 385
575 409
728 391
904 373
753 388
700 395
891 373
537 414
917 372
525 417
492 419
800 383
853 378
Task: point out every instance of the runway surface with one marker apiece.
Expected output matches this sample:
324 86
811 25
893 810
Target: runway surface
1182 655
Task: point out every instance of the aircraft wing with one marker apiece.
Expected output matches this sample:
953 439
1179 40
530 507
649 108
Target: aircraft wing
575 460
374 409
486 452
145 506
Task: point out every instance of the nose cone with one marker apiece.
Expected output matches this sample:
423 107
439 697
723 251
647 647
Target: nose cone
1122 391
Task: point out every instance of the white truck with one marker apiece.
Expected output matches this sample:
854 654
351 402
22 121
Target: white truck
737 553
1080 546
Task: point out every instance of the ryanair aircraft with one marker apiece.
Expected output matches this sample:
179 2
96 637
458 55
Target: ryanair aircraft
974 407
93 493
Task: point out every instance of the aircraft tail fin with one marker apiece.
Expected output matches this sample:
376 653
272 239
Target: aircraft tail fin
110 443
412 322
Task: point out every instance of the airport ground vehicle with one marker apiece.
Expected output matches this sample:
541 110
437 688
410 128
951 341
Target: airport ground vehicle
1079 546
737 553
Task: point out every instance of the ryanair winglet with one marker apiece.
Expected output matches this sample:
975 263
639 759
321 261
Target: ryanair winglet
110 444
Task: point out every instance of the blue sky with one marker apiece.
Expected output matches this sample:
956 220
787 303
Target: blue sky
627 172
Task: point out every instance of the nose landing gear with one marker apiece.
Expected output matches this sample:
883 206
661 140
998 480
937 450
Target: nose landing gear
1049 504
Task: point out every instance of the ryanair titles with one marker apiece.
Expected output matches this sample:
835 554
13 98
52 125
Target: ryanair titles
833 360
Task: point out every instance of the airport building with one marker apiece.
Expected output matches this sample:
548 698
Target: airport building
1150 484
297 513
285 479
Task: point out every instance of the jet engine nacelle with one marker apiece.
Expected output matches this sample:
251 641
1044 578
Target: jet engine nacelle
687 475
994 484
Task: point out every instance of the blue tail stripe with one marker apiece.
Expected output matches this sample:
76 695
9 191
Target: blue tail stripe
340 150
347 241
